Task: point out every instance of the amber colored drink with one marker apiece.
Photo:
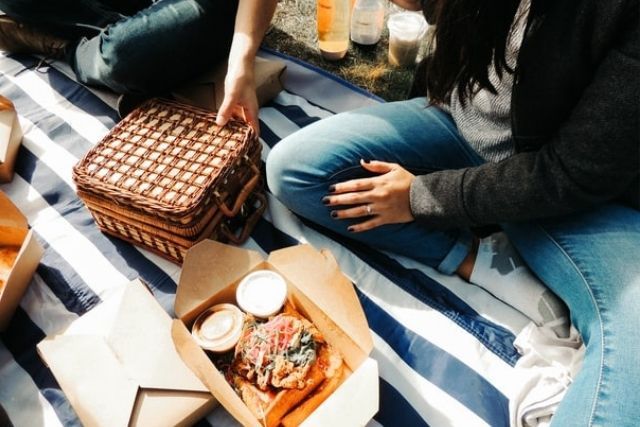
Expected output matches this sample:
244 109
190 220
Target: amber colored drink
333 27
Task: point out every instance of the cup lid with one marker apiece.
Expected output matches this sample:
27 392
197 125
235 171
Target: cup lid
218 328
407 25
262 293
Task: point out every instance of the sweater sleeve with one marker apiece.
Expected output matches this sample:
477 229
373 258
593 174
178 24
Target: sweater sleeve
593 157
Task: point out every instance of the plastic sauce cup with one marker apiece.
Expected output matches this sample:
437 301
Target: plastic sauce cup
406 30
262 293
218 328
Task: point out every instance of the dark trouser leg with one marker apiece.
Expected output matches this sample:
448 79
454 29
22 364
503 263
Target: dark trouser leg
157 48
65 18
149 52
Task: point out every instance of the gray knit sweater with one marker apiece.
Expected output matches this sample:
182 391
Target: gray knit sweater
575 122
485 120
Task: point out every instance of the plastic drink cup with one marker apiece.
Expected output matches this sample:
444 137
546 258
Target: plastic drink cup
406 30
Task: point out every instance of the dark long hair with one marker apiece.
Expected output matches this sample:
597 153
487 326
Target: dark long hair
469 34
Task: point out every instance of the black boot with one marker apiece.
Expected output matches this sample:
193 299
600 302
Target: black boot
16 37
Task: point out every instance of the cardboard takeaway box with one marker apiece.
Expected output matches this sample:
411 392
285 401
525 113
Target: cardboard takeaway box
10 138
15 271
207 91
118 366
317 288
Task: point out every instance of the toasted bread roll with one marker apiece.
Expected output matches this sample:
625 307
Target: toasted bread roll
257 401
284 366
334 375
288 399
270 406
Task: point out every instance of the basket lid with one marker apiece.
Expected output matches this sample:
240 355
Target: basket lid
163 156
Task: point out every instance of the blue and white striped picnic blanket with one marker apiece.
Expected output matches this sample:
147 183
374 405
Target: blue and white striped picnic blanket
444 347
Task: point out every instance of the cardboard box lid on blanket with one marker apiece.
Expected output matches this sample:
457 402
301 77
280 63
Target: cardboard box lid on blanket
207 91
10 138
15 233
118 366
210 275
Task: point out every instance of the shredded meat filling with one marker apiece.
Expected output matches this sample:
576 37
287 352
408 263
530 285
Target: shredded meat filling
277 353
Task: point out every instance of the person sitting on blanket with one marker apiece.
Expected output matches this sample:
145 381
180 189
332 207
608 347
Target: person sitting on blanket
530 123
144 47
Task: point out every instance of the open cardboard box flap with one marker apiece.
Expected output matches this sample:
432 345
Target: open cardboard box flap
210 274
11 215
210 267
10 138
14 231
207 90
13 225
202 367
118 366
318 276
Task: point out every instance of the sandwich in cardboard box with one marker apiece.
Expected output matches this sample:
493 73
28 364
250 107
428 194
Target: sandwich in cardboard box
10 138
316 289
20 255
207 91
118 366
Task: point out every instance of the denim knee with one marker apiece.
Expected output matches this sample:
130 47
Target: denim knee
293 177
278 169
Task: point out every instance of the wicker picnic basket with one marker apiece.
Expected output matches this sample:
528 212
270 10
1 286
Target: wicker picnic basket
167 176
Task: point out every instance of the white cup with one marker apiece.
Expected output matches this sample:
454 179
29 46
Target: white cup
406 30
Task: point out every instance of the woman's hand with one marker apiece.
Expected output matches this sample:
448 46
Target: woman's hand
240 99
378 200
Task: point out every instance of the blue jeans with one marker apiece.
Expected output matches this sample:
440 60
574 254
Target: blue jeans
138 46
301 167
591 260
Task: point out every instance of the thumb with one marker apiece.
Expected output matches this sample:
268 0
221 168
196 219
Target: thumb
224 113
376 166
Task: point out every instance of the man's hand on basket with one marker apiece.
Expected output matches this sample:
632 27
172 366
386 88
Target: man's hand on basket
375 201
240 101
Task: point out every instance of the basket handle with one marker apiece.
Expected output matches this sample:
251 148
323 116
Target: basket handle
249 186
249 223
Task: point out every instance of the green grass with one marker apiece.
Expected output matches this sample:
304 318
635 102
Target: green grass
293 32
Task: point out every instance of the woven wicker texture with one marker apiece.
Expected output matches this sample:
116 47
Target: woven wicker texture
167 176
165 158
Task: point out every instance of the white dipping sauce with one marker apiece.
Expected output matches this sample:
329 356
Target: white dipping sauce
262 293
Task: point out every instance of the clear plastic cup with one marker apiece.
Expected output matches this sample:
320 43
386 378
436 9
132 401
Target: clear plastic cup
406 30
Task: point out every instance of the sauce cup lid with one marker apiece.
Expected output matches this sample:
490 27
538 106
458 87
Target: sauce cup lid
262 293
218 328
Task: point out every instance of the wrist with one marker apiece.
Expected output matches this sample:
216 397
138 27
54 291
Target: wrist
466 268
242 72
243 50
